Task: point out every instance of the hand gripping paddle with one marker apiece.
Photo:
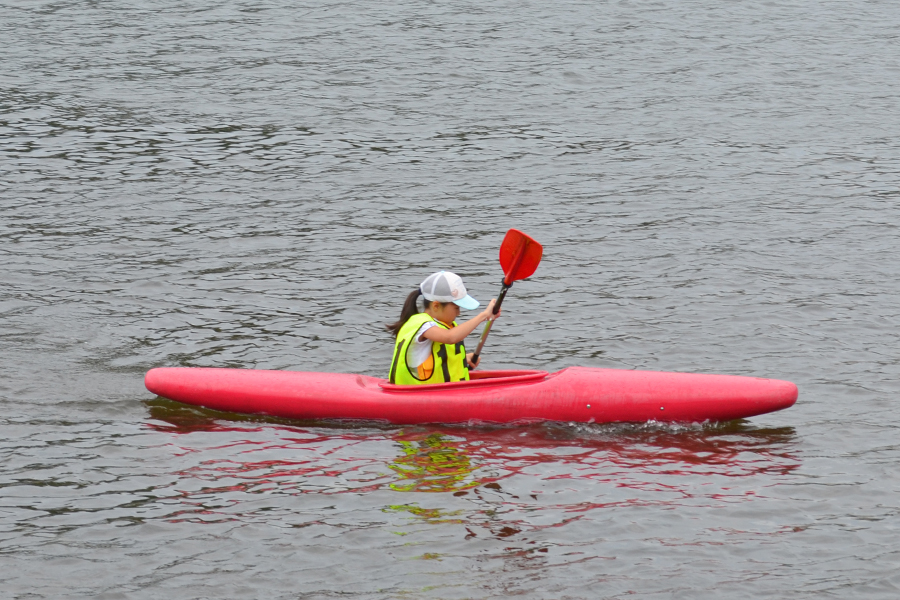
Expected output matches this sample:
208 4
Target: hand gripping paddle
519 258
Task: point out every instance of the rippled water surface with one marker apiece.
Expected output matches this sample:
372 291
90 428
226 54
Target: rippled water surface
260 185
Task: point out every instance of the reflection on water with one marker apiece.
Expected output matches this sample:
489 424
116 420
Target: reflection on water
526 497
431 463
575 468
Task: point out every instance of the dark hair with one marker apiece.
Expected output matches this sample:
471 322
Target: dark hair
409 309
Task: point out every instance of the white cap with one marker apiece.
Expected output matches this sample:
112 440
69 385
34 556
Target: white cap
445 286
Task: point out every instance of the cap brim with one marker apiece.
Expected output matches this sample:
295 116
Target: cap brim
468 303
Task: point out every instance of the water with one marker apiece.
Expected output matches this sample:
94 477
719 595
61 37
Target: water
260 185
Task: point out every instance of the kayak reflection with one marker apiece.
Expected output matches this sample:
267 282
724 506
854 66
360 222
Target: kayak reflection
658 463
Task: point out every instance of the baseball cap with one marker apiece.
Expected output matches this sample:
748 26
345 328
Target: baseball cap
445 286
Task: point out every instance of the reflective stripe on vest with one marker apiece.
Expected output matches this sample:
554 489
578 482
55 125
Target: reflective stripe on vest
448 360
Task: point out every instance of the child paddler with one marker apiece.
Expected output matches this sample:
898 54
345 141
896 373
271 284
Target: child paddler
429 347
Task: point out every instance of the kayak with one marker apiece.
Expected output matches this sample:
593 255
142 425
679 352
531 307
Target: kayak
575 394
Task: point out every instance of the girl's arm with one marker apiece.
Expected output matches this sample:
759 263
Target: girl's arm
461 331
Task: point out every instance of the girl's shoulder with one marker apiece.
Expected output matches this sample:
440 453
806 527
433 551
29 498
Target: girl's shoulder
415 322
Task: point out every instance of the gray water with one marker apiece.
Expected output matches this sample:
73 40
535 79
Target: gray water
259 185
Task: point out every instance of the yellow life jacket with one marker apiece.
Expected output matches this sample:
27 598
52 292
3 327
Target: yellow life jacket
446 363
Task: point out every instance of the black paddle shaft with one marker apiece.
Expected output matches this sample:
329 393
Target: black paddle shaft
487 328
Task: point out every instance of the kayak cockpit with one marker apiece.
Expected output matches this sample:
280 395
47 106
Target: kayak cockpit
479 379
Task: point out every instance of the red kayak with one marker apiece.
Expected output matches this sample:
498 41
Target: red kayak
576 394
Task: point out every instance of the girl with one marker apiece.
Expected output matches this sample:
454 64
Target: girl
429 347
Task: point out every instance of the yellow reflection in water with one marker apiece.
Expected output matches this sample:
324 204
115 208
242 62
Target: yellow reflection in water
429 515
432 464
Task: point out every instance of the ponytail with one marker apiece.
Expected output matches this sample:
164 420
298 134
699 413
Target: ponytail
409 309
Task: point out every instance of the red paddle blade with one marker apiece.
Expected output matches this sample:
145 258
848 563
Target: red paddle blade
519 256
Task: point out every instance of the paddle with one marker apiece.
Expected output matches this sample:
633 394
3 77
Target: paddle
519 258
